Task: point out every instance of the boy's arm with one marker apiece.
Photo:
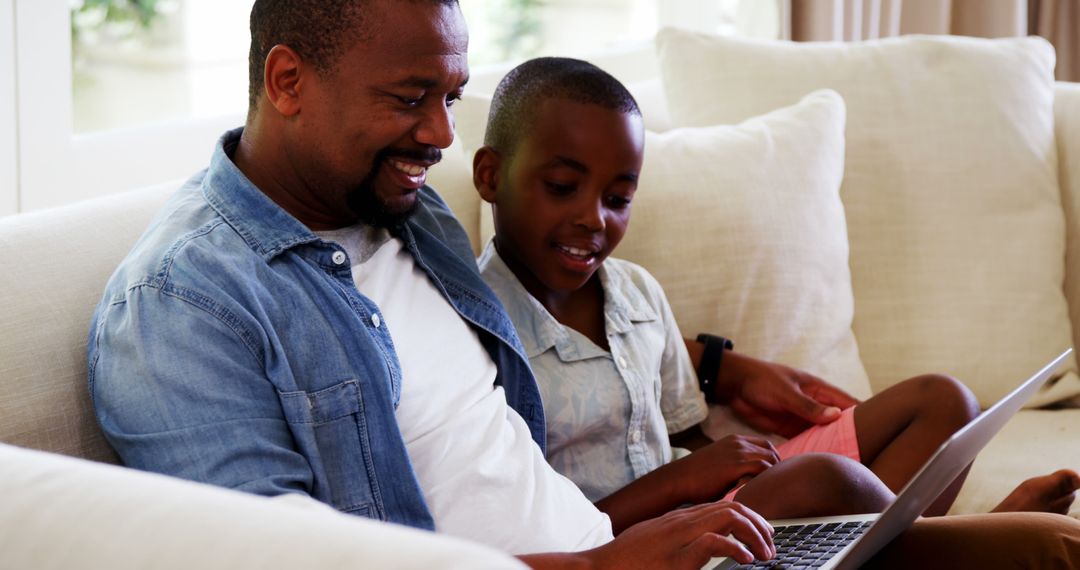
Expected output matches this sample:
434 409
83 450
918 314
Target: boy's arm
686 538
772 397
693 438
701 477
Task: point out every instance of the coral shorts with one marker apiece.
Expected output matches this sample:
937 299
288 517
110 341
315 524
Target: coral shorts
837 437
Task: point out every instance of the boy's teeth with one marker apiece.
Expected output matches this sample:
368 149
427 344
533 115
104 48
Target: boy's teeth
410 169
575 251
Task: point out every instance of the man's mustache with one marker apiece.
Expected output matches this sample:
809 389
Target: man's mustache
428 155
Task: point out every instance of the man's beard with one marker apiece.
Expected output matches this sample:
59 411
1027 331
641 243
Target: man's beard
365 202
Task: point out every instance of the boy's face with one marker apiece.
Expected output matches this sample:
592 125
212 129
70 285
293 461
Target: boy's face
562 201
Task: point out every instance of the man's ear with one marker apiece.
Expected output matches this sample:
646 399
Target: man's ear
485 170
281 79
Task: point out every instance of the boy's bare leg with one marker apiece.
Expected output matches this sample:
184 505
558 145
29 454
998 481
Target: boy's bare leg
998 540
815 484
902 426
1053 493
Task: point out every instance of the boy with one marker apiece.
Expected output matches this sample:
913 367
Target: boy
560 164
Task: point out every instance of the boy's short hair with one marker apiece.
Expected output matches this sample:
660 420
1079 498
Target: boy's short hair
518 95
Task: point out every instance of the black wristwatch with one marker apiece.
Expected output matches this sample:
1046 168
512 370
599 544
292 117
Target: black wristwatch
710 363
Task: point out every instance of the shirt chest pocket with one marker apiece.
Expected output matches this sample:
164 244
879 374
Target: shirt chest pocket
330 429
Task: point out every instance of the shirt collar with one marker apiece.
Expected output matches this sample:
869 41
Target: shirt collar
624 303
540 331
265 226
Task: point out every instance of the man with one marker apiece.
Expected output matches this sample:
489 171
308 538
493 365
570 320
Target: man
305 315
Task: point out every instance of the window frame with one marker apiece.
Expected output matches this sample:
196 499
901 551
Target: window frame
9 173
92 164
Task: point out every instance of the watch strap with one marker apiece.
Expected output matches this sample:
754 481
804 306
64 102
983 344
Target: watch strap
711 358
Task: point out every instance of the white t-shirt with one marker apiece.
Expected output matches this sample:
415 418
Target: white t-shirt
482 475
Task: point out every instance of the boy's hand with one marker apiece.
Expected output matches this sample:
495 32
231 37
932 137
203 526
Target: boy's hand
718 467
774 398
688 538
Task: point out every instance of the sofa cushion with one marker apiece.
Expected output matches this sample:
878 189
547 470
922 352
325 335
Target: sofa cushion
1033 443
954 214
744 228
56 265
64 513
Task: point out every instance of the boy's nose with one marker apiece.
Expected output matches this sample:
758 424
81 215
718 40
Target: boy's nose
591 216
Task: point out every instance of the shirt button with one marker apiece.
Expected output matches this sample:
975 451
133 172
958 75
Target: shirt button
375 320
338 258
635 436
622 362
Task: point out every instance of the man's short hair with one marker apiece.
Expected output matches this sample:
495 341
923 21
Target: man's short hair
320 31
514 104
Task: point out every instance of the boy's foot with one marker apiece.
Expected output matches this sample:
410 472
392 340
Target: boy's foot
1052 493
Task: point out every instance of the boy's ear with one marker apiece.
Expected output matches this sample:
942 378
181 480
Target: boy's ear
485 170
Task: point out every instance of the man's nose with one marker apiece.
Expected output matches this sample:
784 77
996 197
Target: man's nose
436 127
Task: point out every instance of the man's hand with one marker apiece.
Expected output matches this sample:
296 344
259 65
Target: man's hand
774 398
688 538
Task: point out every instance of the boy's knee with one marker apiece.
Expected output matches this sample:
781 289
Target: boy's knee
948 397
844 486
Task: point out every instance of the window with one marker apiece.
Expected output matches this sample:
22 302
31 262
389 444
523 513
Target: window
172 139
137 63
94 102
510 30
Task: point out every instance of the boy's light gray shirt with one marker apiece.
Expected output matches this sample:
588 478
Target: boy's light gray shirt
608 413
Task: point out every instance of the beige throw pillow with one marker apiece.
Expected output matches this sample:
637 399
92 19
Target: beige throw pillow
744 228
954 213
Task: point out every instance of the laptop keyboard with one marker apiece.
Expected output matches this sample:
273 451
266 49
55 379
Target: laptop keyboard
810 545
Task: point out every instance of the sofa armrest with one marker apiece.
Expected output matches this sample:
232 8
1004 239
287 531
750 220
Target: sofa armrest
60 512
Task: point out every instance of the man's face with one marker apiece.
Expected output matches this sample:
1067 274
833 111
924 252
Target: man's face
563 198
368 132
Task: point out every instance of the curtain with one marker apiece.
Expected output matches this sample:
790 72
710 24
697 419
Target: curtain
851 20
1059 22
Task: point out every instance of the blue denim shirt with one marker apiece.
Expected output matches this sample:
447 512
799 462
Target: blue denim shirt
231 347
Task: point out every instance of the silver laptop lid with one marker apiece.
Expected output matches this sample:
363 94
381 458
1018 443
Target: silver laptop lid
944 467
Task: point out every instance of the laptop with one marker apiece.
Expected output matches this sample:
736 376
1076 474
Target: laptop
844 542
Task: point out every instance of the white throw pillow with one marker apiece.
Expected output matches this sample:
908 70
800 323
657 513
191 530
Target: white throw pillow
744 228
954 213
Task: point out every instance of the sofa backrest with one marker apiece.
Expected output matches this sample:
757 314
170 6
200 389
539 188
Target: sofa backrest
1067 132
56 263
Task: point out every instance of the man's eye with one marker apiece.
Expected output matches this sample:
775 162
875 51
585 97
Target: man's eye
452 98
410 101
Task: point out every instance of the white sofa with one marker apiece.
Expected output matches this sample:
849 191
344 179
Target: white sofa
783 287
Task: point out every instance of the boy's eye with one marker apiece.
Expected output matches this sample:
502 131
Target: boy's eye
559 188
452 98
617 202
